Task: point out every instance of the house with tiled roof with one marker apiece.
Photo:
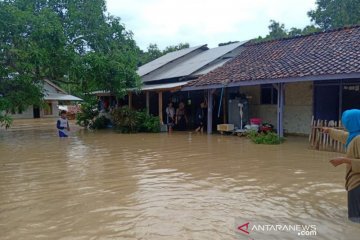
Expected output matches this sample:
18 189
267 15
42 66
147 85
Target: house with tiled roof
288 81
163 78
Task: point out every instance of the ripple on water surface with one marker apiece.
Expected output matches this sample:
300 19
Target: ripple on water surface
159 186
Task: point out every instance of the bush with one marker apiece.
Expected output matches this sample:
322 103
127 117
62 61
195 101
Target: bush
87 114
5 121
265 138
99 123
127 120
148 123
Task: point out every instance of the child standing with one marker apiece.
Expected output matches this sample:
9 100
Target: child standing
351 139
62 125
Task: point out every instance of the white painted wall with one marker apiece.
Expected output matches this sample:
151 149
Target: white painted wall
55 110
297 111
28 113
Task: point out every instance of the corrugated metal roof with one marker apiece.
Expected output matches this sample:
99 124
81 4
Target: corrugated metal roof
161 61
195 63
211 67
61 97
145 88
162 86
54 86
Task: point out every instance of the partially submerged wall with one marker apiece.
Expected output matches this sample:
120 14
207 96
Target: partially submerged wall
28 113
297 111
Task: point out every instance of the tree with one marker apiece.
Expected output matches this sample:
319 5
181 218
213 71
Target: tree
227 43
173 48
153 52
277 31
295 32
73 43
330 14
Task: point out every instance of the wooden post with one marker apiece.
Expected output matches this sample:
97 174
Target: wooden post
225 106
210 109
130 99
280 110
147 102
160 108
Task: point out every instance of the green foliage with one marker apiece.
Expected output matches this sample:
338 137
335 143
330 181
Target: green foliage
331 14
153 52
277 31
88 113
127 120
5 121
100 122
16 94
75 44
173 48
227 43
265 138
148 123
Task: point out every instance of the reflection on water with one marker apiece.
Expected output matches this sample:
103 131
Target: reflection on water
102 185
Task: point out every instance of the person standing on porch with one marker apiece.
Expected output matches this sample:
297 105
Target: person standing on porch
62 125
181 119
200 118
170 116
351 139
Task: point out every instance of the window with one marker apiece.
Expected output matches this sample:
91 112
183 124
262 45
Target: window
350 97
48 109
268 94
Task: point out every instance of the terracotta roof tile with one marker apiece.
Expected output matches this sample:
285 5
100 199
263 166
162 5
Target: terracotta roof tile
326 53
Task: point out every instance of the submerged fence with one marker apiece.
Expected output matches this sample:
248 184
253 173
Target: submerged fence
321 141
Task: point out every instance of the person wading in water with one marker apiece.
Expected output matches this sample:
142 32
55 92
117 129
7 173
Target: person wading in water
62 124
351 139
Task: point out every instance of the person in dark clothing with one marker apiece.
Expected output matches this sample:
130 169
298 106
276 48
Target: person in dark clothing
200 118
181 119
170 116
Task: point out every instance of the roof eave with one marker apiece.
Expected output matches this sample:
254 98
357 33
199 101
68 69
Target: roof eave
276 80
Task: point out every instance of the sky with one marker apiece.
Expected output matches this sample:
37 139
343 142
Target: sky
198 22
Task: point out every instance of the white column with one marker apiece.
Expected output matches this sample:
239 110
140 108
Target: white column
160 108
280 109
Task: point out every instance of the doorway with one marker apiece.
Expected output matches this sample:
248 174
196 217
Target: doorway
36 112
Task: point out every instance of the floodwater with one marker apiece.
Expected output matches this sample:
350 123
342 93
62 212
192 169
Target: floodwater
104 185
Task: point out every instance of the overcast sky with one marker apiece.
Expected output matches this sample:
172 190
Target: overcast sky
169 22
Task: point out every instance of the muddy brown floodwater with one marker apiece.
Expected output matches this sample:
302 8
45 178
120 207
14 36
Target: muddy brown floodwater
103 185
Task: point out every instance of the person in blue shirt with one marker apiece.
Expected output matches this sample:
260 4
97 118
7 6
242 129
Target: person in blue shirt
62 125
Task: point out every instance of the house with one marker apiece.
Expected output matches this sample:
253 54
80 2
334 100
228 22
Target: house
53 97
290 80
163 78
